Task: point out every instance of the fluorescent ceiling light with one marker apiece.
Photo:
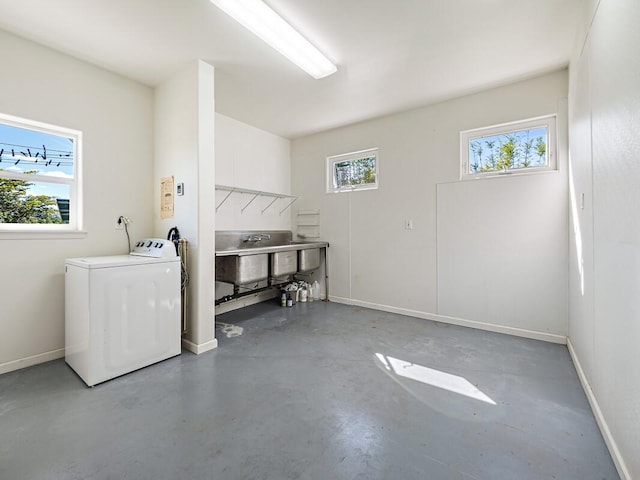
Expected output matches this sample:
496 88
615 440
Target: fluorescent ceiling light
270 27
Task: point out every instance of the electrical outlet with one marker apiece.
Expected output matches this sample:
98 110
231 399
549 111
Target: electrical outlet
121 221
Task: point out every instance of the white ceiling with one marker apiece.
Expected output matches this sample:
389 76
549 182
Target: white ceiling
391 55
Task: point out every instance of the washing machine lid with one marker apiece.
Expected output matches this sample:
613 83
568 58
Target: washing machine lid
116 261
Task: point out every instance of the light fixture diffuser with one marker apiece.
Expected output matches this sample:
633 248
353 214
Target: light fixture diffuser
256 16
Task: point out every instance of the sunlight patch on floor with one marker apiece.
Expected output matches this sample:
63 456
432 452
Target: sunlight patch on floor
436 378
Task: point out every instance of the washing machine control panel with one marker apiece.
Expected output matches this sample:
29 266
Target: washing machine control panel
154 247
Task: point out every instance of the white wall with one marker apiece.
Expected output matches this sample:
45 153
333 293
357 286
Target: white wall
251 158
184 143
604 330
502 252
374 261
116 118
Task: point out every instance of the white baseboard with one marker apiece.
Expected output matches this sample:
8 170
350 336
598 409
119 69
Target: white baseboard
199 348
59 353
621 466
518 332
31 361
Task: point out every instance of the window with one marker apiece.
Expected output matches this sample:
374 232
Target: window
39 176
353 171
518 147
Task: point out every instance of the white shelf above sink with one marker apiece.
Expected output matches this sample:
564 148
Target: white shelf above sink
255 194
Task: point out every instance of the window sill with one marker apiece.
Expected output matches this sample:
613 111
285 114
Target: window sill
353 189
41 234
510 173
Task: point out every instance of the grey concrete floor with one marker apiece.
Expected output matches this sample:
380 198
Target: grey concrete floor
317 391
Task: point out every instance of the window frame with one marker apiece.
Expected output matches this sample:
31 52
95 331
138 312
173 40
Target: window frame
352 156
467 136
75 184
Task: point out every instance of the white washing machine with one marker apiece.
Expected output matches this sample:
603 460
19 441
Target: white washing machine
122 312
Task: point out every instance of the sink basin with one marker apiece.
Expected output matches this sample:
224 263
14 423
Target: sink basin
284 263
240 270
308 259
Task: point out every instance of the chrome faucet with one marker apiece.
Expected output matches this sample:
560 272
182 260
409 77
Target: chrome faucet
257 237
